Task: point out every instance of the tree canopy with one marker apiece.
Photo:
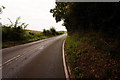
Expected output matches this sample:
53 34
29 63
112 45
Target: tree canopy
87 16
1 8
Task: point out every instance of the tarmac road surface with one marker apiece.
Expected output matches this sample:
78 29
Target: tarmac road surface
39 59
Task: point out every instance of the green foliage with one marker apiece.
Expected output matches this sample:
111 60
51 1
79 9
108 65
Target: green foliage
44 31
51 32
82 45
102 17
72 49
84 18
78 72
13 32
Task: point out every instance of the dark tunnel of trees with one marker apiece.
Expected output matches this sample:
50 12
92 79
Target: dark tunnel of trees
100 17
93 30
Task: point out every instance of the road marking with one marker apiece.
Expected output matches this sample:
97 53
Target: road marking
14 58
64 63
8 61
41 47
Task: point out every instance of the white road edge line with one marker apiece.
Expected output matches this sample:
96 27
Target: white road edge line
64 63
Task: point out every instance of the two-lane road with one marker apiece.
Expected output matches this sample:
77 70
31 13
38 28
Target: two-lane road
39 59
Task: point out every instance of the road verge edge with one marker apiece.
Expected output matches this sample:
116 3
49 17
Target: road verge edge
64 62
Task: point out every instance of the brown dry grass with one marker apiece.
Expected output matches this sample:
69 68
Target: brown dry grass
97 64
34 31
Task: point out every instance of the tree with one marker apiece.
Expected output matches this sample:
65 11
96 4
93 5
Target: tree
102 17
1 8
44 31
53 31
50 32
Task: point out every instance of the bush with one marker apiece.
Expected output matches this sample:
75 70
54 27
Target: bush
51 32
13 32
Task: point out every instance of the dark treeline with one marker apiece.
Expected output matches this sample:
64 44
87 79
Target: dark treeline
51 32
102 17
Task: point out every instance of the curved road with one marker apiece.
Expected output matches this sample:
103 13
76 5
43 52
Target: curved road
39 59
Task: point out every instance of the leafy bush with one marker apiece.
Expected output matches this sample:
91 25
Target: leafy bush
13 32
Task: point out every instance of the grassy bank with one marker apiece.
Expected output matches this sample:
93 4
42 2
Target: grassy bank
15 34
92 55
29 36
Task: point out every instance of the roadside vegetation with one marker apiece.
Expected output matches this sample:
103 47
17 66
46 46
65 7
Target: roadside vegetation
90 56
92 46
15 34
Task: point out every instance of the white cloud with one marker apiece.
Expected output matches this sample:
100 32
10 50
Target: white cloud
34 12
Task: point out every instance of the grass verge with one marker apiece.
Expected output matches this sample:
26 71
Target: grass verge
30 37
91 55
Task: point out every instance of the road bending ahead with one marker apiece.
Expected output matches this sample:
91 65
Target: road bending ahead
39 59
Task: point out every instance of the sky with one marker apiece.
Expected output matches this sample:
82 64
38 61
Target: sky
36 13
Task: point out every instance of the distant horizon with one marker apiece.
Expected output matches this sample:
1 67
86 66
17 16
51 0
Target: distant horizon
36 13
42 30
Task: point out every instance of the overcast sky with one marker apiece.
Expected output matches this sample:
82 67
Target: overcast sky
36 13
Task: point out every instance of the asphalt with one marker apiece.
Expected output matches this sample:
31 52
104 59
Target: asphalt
39 59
